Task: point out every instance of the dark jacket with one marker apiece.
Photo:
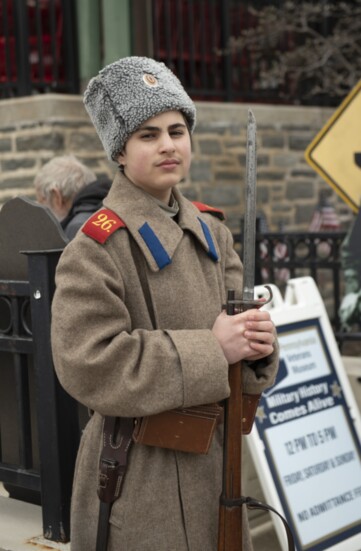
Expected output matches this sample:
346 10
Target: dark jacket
88 200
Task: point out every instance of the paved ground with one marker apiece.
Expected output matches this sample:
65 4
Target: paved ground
21 527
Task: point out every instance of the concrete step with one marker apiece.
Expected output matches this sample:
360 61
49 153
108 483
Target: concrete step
264 537
21 527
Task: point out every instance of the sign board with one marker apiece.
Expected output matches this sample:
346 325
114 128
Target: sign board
335 153
306 441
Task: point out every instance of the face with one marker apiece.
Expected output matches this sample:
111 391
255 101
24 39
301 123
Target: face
158 155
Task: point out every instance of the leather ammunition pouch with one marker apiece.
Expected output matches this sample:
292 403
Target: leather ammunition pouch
184 429
189 429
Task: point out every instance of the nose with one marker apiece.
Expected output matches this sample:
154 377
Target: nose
167 143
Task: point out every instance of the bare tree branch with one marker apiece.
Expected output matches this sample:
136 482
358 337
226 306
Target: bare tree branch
303 49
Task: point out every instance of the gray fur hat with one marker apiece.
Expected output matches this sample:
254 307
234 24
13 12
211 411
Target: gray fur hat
127 93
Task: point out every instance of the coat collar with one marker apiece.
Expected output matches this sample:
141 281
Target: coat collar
156 234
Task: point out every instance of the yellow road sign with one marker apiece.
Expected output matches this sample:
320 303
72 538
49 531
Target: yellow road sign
335 153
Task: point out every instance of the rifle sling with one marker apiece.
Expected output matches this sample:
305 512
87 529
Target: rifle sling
252 503
110 472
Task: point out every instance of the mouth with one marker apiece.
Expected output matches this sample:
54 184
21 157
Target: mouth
169 163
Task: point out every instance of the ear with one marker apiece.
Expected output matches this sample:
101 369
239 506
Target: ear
121 159
58 204
57 200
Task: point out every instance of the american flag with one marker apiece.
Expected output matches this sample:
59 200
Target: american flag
324 218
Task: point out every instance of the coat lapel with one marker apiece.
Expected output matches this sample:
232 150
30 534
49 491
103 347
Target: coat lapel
156 234
191 219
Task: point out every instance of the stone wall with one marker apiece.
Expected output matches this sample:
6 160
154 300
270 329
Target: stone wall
34 129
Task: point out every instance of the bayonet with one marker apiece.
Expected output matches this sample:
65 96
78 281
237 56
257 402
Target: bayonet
247 299
249 226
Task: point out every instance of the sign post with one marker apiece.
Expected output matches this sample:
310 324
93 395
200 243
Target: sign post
306 442
335 153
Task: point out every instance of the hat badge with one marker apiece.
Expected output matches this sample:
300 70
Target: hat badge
150 80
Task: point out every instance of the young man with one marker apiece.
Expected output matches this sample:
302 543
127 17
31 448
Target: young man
138 326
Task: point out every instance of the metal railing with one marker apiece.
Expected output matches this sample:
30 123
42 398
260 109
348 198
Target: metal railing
281 256
38 448
38 47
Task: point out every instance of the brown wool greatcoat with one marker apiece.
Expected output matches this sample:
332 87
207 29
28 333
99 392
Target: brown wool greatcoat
123 350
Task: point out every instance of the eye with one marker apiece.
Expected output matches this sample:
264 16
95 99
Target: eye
147 136
177 133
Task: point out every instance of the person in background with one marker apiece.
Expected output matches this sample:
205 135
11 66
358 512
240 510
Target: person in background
138 327
87 201
70 190
350 309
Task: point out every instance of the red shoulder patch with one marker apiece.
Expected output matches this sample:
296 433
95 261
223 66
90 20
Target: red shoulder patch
102 224
206 208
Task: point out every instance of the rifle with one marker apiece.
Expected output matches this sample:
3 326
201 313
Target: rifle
231 499
230 509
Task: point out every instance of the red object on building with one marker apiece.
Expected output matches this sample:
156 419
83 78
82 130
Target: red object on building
44 41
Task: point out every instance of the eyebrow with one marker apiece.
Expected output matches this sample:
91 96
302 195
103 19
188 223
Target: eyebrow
157 128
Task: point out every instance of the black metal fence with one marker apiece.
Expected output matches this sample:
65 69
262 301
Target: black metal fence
281 256
195 38
38 47
39 429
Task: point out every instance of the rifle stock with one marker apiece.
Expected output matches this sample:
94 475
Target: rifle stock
230 512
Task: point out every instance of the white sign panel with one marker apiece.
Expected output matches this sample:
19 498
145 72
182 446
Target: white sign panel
306 441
